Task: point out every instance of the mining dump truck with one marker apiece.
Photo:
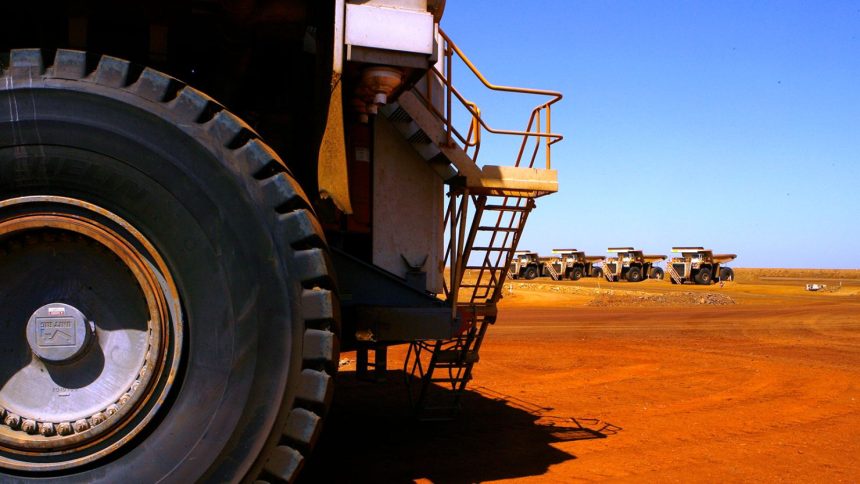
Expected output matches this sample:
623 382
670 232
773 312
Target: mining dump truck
529 265
174 290
574 264
526 265
631 265
699 265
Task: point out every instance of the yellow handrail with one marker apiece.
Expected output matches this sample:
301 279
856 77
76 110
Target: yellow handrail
473 138
555 94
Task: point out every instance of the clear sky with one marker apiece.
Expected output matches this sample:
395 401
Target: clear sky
729 124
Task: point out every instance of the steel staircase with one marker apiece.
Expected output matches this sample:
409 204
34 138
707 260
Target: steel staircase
673 273
479 274
488 207
552 272
492 241
454 359
610 276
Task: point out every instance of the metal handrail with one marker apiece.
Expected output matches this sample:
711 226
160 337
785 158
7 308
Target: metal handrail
473 138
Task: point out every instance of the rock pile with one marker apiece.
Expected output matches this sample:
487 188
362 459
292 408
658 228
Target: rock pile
652 299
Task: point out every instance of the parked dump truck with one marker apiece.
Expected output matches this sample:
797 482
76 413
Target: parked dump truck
174 291
526 265
699 265
575 264
570 264
631 265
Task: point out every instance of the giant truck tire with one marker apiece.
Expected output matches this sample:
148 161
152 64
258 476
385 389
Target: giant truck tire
727 274
576 274
530 273
634 274
703 276
153 234
656 273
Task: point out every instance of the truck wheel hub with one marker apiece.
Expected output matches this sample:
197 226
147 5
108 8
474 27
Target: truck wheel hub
59 333
85 371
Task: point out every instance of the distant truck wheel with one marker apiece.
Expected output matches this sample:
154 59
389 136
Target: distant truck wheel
576 274
656 273
727 274
597 272
634 274
703 277
530 273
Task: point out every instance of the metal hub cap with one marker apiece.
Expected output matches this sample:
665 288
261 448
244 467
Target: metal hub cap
88 369
59 333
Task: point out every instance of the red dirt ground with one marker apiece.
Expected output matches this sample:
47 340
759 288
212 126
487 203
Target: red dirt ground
656 387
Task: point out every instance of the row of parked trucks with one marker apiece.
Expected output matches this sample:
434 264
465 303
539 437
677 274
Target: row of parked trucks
692 264
566 264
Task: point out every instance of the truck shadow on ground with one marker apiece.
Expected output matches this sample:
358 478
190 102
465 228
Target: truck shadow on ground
371 435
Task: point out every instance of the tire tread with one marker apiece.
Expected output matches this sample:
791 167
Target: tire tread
69 64
291 221
111 72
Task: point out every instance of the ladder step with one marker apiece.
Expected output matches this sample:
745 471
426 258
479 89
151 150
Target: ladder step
506 208
492 249
489 228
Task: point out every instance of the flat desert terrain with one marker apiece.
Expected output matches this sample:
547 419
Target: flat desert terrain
755 380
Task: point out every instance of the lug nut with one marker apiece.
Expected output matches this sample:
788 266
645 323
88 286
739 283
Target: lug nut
111 409
97 418
12 420
46 428
81 425
29 426
64 428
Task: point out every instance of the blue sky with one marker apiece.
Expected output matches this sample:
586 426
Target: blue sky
729 124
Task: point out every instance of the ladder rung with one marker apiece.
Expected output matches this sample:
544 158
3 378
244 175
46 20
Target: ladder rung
493 249
498 229
506 208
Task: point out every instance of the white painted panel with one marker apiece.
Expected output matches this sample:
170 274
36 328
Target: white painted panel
389 28
407 207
